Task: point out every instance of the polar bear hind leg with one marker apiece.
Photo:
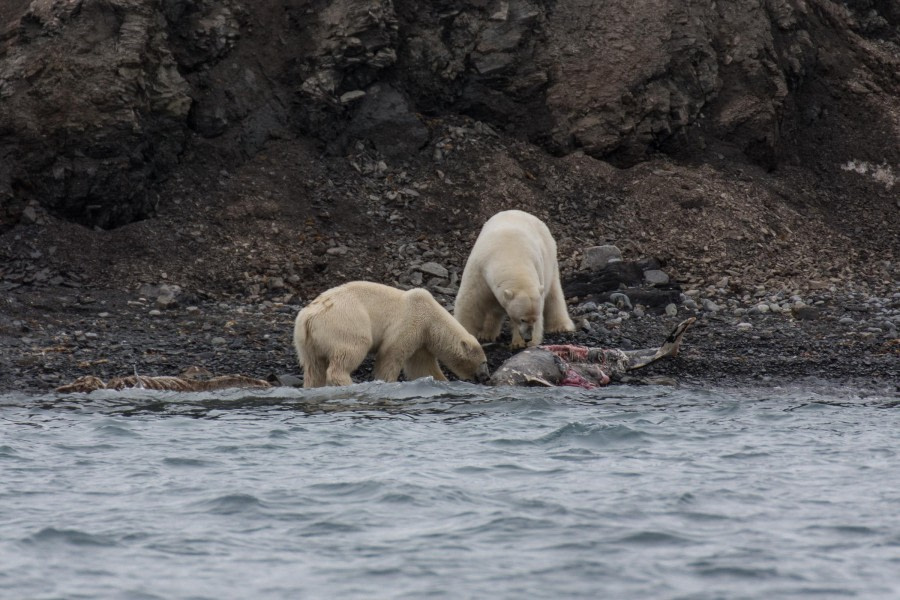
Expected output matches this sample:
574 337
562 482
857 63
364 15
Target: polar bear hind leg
343 360
332 340
314 371
313 364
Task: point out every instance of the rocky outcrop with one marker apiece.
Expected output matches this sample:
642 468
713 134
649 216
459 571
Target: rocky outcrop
93 108
102 97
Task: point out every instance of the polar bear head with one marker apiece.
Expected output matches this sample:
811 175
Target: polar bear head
524 308
468 361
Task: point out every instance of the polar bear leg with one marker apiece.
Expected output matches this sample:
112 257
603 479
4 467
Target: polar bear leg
478 311
344 360
537 332
387 367
517 340
314 371
338 375
422 364
491 325
556 314
397 347
464 311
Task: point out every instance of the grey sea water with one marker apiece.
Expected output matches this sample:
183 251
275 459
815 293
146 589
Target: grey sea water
428 489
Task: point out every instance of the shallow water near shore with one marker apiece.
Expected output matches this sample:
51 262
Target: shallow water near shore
429 489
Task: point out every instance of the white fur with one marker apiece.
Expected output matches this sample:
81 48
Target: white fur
408 331
512 271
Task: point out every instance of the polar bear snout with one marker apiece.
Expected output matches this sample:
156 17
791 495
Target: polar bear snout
525 327
526 330
483 373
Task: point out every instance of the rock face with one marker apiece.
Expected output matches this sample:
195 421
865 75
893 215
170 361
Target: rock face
94 108
100 98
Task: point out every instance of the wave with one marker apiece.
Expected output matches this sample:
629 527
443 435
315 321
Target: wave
75 537
230 504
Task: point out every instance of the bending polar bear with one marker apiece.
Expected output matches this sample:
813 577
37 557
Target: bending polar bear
512 270
408 331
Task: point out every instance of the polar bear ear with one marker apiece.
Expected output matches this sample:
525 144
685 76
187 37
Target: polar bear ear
508 294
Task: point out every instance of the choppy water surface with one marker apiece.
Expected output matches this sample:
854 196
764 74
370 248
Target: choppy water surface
450 490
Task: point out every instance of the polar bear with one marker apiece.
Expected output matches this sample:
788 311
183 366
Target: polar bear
512 270
407 330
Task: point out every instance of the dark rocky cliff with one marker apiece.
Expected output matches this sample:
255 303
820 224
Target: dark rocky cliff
101 98
759 140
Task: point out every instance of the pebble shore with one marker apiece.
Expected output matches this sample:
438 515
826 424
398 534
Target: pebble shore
52 332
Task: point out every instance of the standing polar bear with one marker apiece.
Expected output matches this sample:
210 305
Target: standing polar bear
408 331
512 270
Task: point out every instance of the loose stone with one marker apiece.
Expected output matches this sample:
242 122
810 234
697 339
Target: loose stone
655 276
620 300
597 257
710 306
588 307
434 269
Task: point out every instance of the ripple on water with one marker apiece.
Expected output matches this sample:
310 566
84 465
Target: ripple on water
514 469
595 436
230 504
746 455
141 595
180 461
733 571
184 547
10 453
510 525
575 455
53 536
843 530
399 498
328 527
99 448
349 490
655 538
705 517
115 430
